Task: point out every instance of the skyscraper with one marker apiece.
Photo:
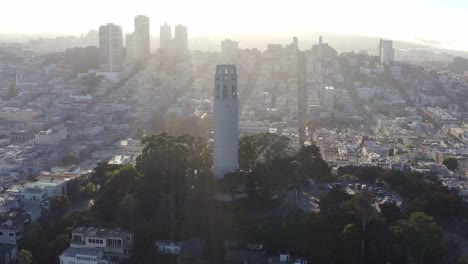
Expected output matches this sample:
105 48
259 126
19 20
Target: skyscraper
329 98
110 48
165 36
142 34
226 133
181 38
131 44
386 51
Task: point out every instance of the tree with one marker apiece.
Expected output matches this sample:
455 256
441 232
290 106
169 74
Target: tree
362 206
89 189
420 234
350 239
121 182
312 165
70 159
451 163
34 240
55 248
58 205
331 203
128 211
391 212
25 257
348 177
263 147
12 92
463 260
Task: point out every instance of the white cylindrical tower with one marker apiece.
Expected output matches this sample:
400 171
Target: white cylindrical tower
226 133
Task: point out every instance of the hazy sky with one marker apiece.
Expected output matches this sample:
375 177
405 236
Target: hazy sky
442 20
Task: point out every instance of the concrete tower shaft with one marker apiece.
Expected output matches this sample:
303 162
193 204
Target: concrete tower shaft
226 134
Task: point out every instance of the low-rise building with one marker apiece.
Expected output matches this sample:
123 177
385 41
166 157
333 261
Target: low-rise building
239 252
74 255
8 253
115 243
11 229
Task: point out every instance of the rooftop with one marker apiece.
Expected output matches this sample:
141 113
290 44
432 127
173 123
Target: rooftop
100 232
73 252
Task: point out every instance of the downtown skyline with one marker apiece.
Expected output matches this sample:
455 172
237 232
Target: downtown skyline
397 20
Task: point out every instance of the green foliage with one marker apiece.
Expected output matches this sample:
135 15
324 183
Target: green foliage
331 203
262 148
427 195
25 257
348 178
312 165
391 212
34 240
56 248
58 205
88 190
363 174
351 243
169 195
420 234
12 92
463 260
451 163
120 182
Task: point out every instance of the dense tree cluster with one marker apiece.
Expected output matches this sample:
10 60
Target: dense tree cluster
169 194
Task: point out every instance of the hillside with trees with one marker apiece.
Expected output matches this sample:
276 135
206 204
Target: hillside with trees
169 192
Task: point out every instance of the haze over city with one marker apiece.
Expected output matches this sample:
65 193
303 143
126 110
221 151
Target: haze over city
233 132
436 22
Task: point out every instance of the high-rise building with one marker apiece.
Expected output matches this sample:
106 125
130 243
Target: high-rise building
181 38
131 44
165 36
329 98
226 118
110 48
386 51
142 34
229 49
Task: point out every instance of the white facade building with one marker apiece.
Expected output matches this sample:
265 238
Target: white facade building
386 51
226 116
142 34
165 36
83 255
52 136
329 98
181 38
110 48
131 47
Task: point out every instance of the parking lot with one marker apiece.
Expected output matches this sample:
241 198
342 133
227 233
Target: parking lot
307 198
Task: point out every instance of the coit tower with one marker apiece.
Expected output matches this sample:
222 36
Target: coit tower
226 134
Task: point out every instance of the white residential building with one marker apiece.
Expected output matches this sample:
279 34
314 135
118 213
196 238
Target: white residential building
74 255
111 48
52 136
115 243
386 51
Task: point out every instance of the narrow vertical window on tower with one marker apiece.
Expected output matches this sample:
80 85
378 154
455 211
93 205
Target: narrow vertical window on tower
218 88
234 91
225 92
